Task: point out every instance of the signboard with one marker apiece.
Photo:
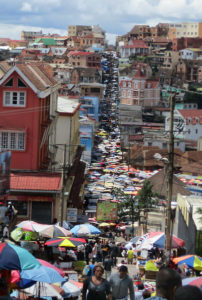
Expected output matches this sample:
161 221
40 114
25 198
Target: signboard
107 211
71 214
82 219
5 161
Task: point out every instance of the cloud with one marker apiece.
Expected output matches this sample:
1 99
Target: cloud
114 16
26 7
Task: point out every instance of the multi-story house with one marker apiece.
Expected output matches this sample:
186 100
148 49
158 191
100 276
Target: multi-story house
84 59
187 124
28 105
190 53
183 43
189 70
85 75
135 47
185 29
139 90
91 89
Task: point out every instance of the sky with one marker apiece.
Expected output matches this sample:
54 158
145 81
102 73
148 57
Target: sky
116 17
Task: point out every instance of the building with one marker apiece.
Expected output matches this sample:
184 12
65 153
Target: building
187 224
91 89
29 99
86 75
134 47
190 54
36 196
187 124
66 152
78 30
90 105
185 29
30 35
183 43
139 90
84 59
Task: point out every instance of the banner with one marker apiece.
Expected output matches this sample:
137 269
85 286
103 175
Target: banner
107 211
5 161
72 214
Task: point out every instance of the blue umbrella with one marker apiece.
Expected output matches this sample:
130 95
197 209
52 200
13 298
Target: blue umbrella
85 230
42 274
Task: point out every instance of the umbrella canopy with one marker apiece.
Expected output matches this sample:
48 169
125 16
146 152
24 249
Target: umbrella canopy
54 231
104 224
17 233
85 230
196 281
27 225
192 261
65 242
72 288
42 274
45 290
47 264
13 257
157 239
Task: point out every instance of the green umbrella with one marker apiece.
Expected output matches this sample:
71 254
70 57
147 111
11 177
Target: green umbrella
16 234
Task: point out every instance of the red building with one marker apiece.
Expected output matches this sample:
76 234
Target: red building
183 43
28 96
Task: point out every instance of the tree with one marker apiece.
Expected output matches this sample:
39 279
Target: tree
131 206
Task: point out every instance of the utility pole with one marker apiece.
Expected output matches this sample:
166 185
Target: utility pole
168 237
63 184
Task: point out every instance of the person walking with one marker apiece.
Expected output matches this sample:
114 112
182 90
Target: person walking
87 251
108 263
96 287
121 282
130 256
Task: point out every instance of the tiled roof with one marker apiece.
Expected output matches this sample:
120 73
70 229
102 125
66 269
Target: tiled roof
46 41
38 74
35 182
192 114
83 53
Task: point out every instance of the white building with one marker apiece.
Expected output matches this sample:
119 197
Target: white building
187 124
190 54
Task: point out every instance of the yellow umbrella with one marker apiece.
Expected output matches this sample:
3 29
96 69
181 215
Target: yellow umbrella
67 243
104 224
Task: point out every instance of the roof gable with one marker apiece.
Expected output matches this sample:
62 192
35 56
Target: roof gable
36 76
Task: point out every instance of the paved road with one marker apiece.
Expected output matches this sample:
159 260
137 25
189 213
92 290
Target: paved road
132 269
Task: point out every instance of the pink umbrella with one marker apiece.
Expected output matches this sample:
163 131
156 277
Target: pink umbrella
27 225
47 264
196 281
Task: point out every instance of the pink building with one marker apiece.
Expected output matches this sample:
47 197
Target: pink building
139 90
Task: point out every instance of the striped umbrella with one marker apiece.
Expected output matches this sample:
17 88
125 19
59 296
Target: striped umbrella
192 261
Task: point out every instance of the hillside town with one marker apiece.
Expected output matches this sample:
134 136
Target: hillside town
100 157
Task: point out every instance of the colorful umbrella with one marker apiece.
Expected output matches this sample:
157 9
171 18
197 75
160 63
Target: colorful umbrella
157 239
54 231
104 224
45 290
27 225
192 261
85 230
72 288
13 257
47 264
42 274
65 242
196 281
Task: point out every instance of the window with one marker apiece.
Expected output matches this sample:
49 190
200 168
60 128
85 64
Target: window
14 98
164 145
196 131
149 144
20 83
9 83
11 140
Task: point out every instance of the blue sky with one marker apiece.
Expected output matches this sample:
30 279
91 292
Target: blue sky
116 17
